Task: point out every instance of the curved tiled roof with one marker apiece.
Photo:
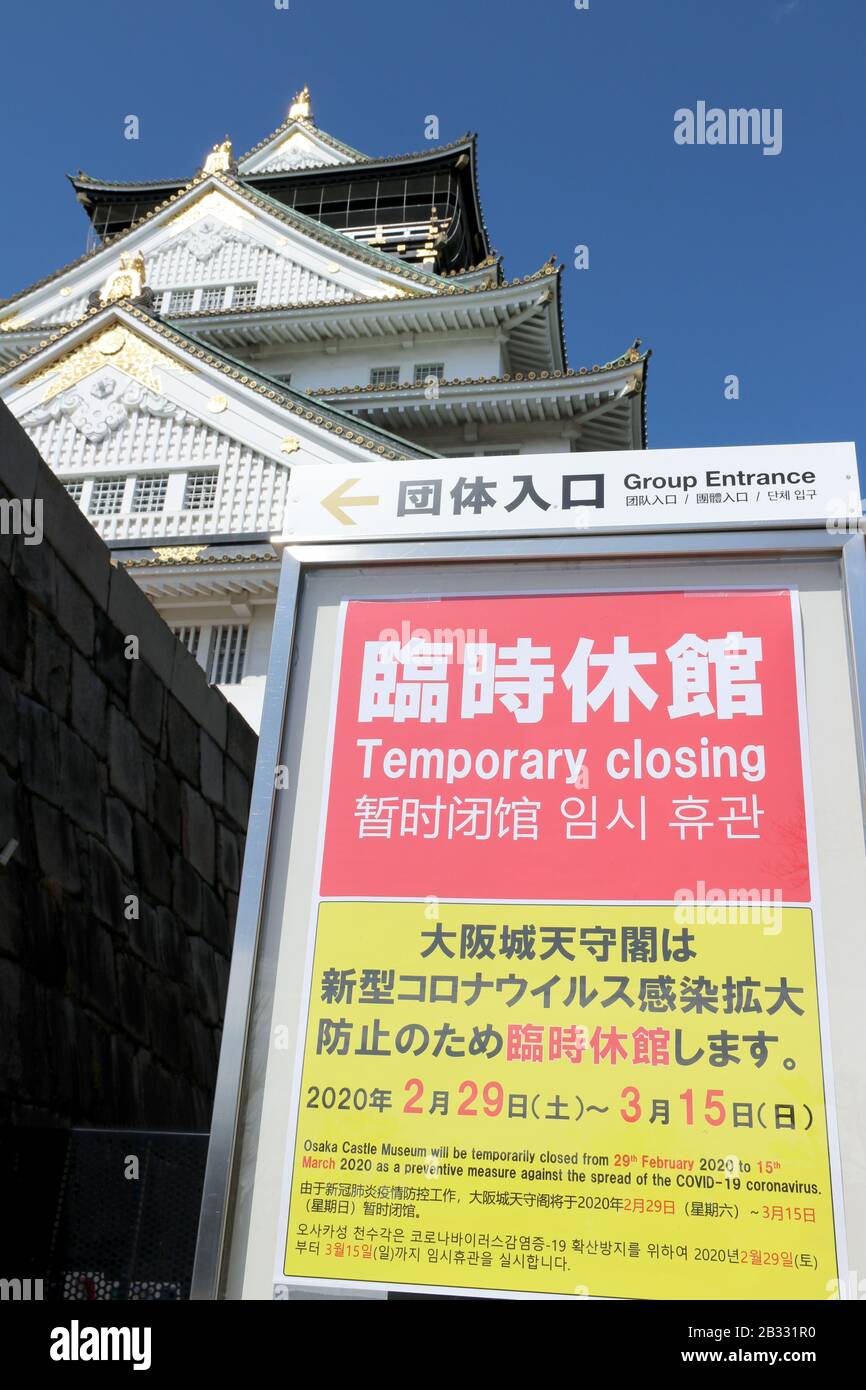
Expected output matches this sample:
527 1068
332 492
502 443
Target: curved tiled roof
381 260
631 357
377 440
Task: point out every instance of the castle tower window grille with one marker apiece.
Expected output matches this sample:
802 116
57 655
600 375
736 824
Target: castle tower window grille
385 376
244 295
149 493
181 301
424 370
75 489
189 637
228 646
213 297
106 496
200 490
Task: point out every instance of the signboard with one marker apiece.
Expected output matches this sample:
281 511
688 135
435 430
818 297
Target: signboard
550 493
563 1010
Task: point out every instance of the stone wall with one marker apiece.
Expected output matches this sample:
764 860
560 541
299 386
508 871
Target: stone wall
124 791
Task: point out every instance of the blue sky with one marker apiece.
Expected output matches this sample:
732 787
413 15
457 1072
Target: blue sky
721 259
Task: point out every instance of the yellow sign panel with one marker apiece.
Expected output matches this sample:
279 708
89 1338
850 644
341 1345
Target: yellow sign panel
607 1101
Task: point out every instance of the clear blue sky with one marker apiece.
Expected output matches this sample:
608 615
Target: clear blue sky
721 259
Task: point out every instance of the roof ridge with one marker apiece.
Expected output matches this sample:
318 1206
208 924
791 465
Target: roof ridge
331 235
448 291
328 235
295 401
185 179
309 126
558 374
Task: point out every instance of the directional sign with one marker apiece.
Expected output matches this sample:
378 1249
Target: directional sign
564 493
339 505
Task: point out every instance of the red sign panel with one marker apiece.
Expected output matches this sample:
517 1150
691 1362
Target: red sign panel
576 747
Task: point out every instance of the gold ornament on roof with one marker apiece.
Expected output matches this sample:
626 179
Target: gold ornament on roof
300 108
220 158
129 353
126 281
178 553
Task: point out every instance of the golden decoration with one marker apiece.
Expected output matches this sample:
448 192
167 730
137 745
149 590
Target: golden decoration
218 404
290 444
220 159
16 321
300 108
180 553
213 203
65 292
129 353
111 342
126 281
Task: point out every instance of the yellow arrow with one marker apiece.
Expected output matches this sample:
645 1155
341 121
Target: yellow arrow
336 500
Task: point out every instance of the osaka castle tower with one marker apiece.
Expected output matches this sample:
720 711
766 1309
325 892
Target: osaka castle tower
302 302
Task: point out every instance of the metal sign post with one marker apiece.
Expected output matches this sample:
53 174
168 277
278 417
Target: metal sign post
545 942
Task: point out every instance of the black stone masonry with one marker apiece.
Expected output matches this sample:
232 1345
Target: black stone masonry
124 793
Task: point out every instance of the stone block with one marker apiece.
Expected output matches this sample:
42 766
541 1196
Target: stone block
152 861
126 760
132 1000
166 802
214 920
198 839
56 847
92 975
228 859
168 1034
211 771
109 656
13 628
118 833
241 742
205 982
237 799
186 895
75 612
88 705
107 887
81 782
8 719
51 663
34 568
183 742
146 700
40 767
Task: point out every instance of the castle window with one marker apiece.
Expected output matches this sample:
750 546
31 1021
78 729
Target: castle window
181 301
149 494
75 489
244 296
228 646
213 297
423 370
385 376
200 490
188 637
106 497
